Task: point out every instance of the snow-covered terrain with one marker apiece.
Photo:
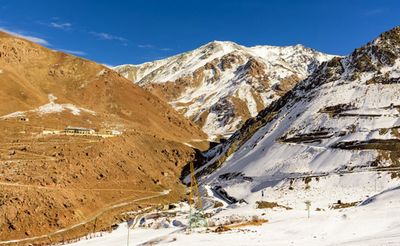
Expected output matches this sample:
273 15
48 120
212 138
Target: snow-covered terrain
221 84
373 222
343 118
50 108
320 166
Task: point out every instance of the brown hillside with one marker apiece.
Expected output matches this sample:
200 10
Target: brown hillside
51 182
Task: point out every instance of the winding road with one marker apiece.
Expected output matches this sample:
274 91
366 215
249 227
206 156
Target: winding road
65 188
86 221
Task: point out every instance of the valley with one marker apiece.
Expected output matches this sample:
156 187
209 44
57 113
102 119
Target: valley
319 166
219 144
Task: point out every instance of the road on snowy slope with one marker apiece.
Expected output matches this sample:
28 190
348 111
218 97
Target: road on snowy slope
86 221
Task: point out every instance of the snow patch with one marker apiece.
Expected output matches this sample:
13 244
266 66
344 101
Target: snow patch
102 72
16 114
50 108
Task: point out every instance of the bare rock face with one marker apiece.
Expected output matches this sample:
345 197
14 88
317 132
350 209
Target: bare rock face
221 84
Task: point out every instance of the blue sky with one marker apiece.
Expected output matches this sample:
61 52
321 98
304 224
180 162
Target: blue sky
117 32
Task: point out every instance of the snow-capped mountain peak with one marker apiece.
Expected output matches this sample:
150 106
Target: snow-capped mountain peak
339 126
221 84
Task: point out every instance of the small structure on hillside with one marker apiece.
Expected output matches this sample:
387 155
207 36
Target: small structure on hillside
113 132
50 132
15 118
79 130
82 131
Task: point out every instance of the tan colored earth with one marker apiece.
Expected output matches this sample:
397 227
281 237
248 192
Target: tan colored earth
51 182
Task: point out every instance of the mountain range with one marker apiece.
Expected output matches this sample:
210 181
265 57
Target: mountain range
333 136
221 84
81 144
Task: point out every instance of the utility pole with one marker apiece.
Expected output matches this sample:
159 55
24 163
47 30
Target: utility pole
196 213
129 224
127 241
308 204
94 226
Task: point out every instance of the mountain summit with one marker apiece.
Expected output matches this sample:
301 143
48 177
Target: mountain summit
222 84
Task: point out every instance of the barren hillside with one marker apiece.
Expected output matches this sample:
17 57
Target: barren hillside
50 180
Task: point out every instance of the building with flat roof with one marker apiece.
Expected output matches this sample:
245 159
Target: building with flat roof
79 130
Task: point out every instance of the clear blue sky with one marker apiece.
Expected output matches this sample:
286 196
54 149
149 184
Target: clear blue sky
117 32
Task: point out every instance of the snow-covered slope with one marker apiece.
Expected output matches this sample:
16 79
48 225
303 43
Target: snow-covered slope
375 222
323 161
342 120
222 84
